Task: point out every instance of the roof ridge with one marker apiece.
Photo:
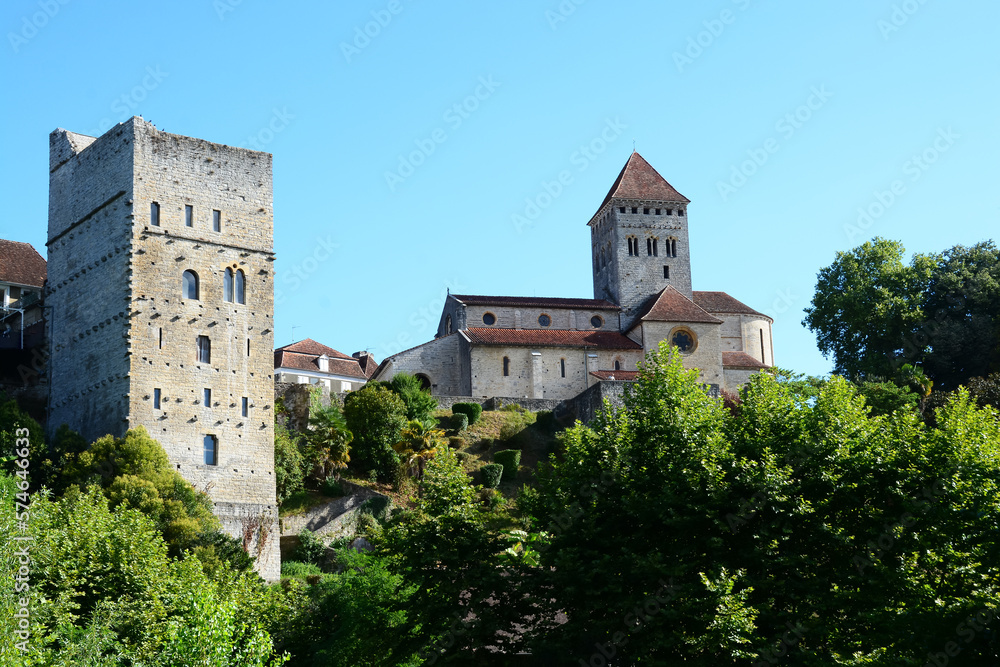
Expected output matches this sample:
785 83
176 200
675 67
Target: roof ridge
640 180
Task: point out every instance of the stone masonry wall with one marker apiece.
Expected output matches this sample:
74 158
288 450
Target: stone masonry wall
707 356
442 360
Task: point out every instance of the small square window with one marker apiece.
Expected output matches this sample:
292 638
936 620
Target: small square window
680 211
154 214
670 211
645 211
658 211
621 209
246 407
207 398
211 447
216 221
189 216
635 209
156 399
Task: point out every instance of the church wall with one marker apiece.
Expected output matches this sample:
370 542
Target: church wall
441 360
752 327
735 378
707 356
527 318
731 331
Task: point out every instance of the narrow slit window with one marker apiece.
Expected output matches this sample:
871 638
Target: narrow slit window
673 247
506 366
655 243
211 446
154 214
649 247
216 221
204 350
245 411
666 272
562 368
161 338
762 360
207 398
227 285
156 399
248 347
241 287
188 215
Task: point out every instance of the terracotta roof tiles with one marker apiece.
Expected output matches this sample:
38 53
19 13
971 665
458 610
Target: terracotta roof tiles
20 264
720 302
534 301
740 360
638 180
672 306
309 346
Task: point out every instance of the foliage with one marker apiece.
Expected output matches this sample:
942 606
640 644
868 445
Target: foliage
295 568
418 443
887 397
456 442
332 488
12 418
492 472
985 390
311 549
420 405
327 441
289 464
798 384
516 421
377 507
459 422
870 536
473 410
510 459
376 416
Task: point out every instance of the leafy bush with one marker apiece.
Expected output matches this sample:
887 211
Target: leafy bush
376 416
311 549
289 464
514 424
462 457
460 422
294 568
985 390
492 472
490 497
332 488
473 410
546 420
377 507
456 442
888 397
420 405
510 459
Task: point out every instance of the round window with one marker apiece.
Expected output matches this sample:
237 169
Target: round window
596 322
489 319
545 320
684 340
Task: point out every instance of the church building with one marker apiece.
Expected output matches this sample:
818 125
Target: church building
557 348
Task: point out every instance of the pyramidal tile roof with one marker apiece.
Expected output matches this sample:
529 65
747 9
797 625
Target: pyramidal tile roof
672 306
720 302
638 180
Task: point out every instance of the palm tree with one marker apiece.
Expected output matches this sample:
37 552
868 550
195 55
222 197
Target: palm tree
328 441
418 444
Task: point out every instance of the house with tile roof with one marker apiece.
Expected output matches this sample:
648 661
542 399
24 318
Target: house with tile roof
22 278
557 348
309 362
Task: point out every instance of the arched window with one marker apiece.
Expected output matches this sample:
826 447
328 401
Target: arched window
227 285
506 366
425 382
673 247
241 286
618 365
649 247
190 285
447 324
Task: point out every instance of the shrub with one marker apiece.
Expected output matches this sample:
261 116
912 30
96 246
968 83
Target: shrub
490 497
546 420
514 424
473 410
462 457
331 487
510 459
289 468
887 397
420 405
456 442
460 422
294 568
377 507
985 390
376 416
311 549
492 472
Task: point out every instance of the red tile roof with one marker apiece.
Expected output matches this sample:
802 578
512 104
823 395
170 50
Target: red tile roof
309 346
720 302
740 360
638 180
607 340
367 363
309 362
21 264
535 302
672 306
628 376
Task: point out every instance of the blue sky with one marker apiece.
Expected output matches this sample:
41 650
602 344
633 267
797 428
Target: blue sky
403 156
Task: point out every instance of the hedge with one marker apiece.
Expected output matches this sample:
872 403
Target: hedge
460 421
510 459
473 410
492 472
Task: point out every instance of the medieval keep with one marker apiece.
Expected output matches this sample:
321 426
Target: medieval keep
555 348
160 283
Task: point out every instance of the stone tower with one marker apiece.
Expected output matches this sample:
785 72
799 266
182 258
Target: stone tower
639 239
160 257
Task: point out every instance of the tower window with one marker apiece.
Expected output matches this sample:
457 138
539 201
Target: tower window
635 209
190 285
489 319
655 252
204 350
680 212
216 221
245 411
227 285
161 338
447 324
154 214
506 366
241 287
633 246
618 365
207 398
562 367
621 209
645 211
658 211
666 272
673 247
211 446
156 399
248 347
188 215
670 211
544 320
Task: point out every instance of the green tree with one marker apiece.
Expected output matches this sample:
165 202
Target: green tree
327 441
866 307
376 416
418 444
420 405
289 463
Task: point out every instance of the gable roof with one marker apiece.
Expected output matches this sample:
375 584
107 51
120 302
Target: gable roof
607 340
720 302
21 264
672 306
310 362
534 302
367 363
740 360
638 180
309 346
